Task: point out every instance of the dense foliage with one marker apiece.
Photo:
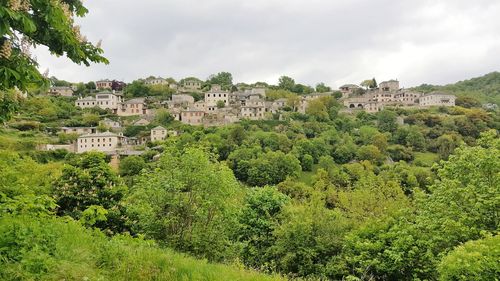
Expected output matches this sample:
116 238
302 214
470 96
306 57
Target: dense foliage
395 195
48 23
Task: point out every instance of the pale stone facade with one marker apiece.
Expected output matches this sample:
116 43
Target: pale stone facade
104 142
192 116
61 91
389 86
101 100
78 130
192 85
132 107
437 99
181 100
389 94
104 84
215 95
141 122
156 81
158 134
348 89
109 123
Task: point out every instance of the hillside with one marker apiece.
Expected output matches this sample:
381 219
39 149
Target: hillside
61 249
485 88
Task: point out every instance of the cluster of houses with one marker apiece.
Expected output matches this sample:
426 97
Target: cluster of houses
114 101
390 94
110 140
218 107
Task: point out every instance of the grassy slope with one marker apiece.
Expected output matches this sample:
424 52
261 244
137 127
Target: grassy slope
485 88
14 140
55 249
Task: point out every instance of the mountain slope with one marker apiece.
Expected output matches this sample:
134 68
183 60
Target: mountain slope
61 249
485 88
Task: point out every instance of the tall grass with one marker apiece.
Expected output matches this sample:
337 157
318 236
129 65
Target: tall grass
61 249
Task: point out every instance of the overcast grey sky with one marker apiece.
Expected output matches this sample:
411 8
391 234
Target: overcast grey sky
336 42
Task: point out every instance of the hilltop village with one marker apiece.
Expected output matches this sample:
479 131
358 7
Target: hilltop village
215 106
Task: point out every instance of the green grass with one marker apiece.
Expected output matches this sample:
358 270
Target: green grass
425 159
14 140
61 249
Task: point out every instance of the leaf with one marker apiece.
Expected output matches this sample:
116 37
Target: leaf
28 25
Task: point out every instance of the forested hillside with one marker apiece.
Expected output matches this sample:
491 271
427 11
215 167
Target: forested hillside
396 195
486 88
100 180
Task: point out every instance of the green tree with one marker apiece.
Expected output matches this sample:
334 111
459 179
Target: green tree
317 109
221 104
399 152
132 165
302 89
463 206
90 86
387 121
306 162
272 168
224 79
25 185
187 202
308 238
370 153
90 119
446 144
474 260
286 83
137 89
467 102
322 88
369 83
48 23
257 220
163 117
89 181
9 103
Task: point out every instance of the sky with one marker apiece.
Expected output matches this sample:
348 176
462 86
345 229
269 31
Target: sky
335 42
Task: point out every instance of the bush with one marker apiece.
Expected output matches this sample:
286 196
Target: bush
475 260
26 125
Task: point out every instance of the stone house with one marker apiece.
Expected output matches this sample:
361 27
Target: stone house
437 99
78 130
109 123
104 142
61 91
156 81
132 107
407 98
192 116
141 122
158 133
215 95
101 100
105 84
192 85
389 86
348 89
180 100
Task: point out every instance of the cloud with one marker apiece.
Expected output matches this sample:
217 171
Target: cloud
313 41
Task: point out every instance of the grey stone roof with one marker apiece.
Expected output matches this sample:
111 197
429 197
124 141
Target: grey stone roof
96 135
158 128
